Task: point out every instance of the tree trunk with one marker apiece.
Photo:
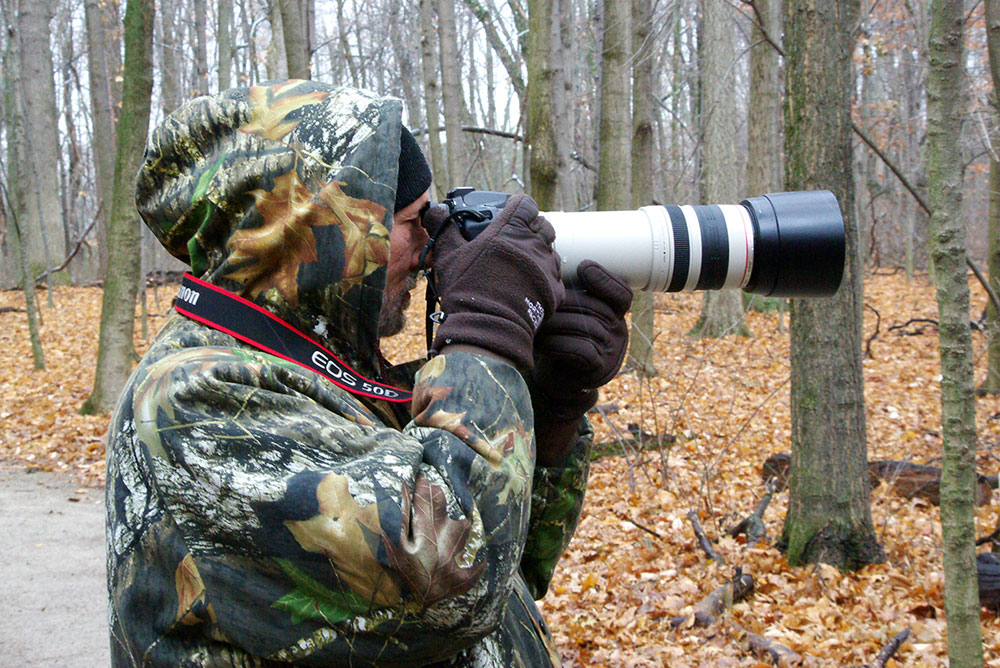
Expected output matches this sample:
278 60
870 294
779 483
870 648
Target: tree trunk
404 52
224 43
640 352
544 161
46 242
614 189
721 311
829 515
115 349
200 84
992 383
101 102
295 42
22 207
958 414
277 59
170 87
451 93
431 94
764 166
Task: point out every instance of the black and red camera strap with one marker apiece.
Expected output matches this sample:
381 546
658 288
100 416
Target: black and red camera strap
229 313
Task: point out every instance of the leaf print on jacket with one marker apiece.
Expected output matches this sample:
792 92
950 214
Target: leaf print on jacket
432 549
270 255
341 532
271 104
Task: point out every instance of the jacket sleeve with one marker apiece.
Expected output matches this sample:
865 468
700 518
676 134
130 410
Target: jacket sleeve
322 536
556 504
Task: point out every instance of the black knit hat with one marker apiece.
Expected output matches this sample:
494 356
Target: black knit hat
414 176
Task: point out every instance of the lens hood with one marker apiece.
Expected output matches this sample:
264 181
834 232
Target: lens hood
799 244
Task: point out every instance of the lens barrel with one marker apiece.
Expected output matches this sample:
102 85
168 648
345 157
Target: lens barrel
780 245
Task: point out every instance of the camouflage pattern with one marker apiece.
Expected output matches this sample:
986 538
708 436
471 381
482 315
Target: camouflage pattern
258 515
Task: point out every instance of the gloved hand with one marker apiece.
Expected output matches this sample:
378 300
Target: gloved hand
579 349
497 289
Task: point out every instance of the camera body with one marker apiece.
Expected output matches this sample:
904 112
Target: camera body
781 244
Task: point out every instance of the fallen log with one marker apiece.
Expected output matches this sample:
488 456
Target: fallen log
722 598
766 648
904 478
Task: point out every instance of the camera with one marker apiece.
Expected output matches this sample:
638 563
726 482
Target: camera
788 244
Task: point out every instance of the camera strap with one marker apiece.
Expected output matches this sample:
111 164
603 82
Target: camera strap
229 313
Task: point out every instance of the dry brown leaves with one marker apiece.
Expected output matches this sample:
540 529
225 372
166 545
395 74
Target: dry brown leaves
726 403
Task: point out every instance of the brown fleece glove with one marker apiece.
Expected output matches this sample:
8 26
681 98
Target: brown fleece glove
579 349
497 289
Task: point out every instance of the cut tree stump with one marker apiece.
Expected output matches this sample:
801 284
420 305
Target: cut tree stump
904 478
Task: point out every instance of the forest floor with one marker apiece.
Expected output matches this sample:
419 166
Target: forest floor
720 408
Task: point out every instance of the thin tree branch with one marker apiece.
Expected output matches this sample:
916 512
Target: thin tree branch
476 131
923 205
76 248
759 23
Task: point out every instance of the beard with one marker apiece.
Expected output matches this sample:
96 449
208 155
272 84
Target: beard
392 317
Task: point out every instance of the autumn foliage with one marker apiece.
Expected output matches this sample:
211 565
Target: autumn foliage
716 412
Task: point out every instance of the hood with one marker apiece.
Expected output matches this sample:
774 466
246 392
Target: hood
283 194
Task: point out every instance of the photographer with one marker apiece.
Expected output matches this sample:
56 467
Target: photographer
275 494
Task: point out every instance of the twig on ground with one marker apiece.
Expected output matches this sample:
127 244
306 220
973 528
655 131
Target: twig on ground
703 540
764 647
891 648
710 607
753 524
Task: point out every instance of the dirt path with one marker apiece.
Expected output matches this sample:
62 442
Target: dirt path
53 606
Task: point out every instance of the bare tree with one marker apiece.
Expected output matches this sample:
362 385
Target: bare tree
115 348
721 311
544 159
46 241
200 83
451 92
431 91
101 102
295 38
614 192
224 43
643 305
829 513
20 206
958 410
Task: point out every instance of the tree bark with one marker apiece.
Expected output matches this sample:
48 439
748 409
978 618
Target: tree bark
44 234
200 84
295 42
992 382
21 205
277 59
829 515
640 352
614 173
451 93
721 311
431 93
544 161
224 43
101 103
958 415
115 348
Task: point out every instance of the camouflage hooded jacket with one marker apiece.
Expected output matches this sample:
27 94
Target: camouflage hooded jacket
259 515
